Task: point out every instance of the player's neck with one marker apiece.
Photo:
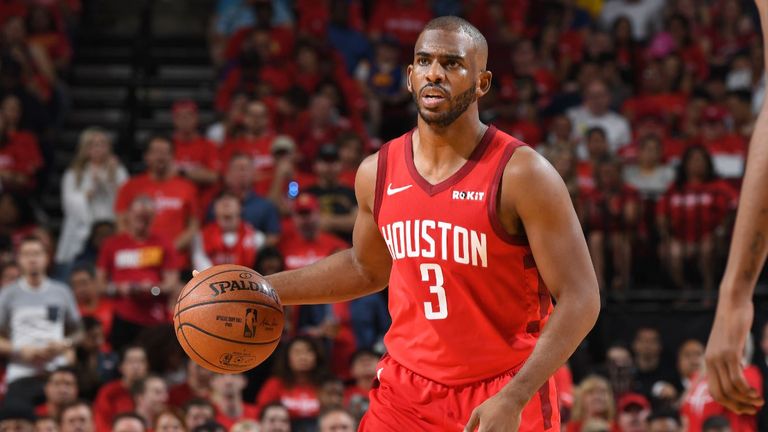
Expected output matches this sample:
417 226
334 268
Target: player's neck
438 152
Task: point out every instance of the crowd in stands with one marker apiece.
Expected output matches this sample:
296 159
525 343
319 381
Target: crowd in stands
645 108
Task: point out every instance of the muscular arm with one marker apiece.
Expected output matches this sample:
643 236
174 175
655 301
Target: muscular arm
348 274
735 311
533 191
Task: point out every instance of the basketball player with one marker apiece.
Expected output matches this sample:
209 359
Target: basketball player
472 231
735 311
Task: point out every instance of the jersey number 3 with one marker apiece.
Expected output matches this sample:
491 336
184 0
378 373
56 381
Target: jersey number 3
437 288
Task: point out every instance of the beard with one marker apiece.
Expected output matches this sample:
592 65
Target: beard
457 105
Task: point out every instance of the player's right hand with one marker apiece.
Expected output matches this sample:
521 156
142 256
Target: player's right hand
725 372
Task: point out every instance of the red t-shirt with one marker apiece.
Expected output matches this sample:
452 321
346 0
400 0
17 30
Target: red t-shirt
453 264
113 398
250 412
196 152
300 252
175 202
103 312
352 392
605 212
698 404
260 152
127 260
301 400
695 210
242 253
21 154
404 22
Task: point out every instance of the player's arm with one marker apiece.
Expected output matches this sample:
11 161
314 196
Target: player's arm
533 192
348 274
735 310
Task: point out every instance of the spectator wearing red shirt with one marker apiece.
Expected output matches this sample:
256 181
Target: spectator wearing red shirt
698 405
691 216
198 412
305 243
403 19
611 213
320 124
89 298
45 34
351 152
728 150
20 157
141 269
115 396
228 239
597 149
150 396
196 158
227 398
227 127
299 371
255 140
175 198
60 389
197 385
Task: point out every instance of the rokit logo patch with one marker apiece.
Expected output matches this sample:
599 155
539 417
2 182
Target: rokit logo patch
468 195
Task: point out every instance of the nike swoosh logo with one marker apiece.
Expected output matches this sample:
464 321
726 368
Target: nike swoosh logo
391 191
378 373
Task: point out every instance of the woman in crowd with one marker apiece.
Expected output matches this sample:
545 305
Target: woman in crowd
594 401
88 192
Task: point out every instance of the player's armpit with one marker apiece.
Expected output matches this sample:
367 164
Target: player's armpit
534 192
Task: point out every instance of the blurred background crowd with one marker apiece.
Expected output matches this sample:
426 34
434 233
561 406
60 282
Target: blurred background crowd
141 140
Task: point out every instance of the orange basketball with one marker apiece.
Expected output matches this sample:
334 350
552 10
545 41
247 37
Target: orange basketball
228 319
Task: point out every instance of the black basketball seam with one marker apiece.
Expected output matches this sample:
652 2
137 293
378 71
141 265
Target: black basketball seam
223 338
208 277
277 309
197 353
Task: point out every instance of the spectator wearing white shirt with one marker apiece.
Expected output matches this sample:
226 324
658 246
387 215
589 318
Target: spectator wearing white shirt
643 14
88 192
595 110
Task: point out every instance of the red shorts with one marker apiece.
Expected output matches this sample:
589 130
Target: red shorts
402 400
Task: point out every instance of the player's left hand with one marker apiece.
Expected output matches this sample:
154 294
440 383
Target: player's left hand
498 414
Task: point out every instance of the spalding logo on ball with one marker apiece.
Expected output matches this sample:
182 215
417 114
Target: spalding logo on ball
228 319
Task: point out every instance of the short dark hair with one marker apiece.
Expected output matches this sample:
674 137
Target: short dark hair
197 402
362 352
140 385
74 404
269 406
31 238
329 411
129 415
130 347
210 426
159 137
663 415
457 24
63 369
595 130
83 268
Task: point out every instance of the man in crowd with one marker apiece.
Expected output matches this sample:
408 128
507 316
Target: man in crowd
228 239
650 372
16 418
275 418
76 417
60 390
255 142
150 396
633 410
39 323
197 385
198 411
255 210
596 111
336 420
141 269
175 198
115 397
664 421
227 398
338 206
195 157
128 422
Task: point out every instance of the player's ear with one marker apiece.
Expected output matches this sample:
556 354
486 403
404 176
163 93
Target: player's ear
409 71
483 83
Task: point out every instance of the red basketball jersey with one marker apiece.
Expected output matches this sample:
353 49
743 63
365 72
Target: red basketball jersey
466 299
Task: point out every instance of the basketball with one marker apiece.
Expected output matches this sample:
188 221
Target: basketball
228 319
